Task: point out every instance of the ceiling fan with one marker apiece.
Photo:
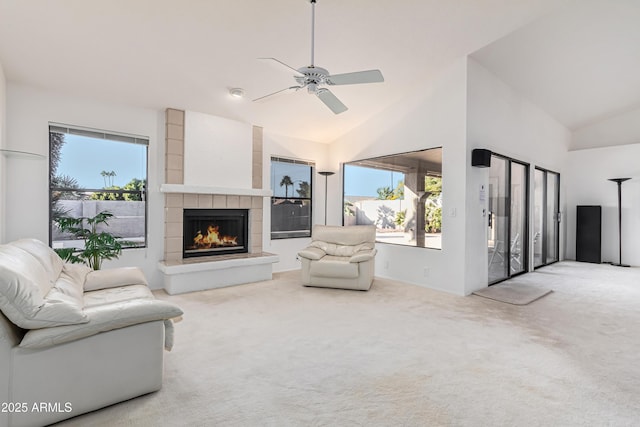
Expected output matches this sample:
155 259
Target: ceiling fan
313 78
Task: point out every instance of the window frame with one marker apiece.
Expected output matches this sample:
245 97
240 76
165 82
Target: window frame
106 136
312 168
436 172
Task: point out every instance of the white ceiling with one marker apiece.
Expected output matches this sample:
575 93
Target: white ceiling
581 64
187 54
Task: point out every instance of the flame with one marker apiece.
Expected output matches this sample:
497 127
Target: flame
213 239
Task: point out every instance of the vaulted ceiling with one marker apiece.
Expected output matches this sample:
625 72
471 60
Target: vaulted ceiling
580 63
575 59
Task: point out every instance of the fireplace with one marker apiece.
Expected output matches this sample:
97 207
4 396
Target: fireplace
210 232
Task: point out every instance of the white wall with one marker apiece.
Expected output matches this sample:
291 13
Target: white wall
434 115
3 131
501 120
587 183
293 148
29 112
617 130
464 107
217 151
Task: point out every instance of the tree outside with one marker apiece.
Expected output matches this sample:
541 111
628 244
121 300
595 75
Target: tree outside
304 190
286 182
433 204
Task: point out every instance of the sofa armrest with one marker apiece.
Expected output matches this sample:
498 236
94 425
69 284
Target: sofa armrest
113 278
312 253
103 318
361 256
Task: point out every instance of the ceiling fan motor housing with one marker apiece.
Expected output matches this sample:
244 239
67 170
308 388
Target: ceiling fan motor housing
312 77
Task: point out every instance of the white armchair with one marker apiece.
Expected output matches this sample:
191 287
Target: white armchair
339 257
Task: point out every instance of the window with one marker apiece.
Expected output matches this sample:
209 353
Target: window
291 200
401 194
92 171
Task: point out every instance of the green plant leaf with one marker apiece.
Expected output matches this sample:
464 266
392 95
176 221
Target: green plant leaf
98 246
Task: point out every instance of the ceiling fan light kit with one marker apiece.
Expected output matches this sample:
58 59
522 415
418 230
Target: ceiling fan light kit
313 78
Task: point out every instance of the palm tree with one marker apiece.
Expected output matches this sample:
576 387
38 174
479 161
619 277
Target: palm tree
66 182
109 175
286 182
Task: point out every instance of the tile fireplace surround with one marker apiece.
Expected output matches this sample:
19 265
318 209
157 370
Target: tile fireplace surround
193 274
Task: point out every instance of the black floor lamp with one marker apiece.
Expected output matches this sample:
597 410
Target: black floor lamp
326 175
620 181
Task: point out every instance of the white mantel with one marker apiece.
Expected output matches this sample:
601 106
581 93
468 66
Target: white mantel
203 189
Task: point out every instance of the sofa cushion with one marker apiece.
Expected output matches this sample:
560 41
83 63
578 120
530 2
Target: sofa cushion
113 295
334 266
103 318
114 277
71 282
47 257
27 296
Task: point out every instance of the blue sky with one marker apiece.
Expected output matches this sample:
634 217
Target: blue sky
359 181
83 158
362 181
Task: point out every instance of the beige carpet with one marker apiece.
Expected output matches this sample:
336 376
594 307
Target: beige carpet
277 354
513 292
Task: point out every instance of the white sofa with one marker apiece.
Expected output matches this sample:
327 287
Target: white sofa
73 340
339 257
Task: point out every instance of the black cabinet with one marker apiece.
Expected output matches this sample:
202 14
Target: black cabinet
589 234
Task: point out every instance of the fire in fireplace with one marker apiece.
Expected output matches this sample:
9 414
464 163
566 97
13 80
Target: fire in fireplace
215 232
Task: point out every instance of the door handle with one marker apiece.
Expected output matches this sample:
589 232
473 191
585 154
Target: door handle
490 220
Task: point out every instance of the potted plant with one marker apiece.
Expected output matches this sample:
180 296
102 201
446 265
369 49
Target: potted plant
98 245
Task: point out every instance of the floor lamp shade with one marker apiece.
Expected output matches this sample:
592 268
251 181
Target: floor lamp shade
619 181
326 175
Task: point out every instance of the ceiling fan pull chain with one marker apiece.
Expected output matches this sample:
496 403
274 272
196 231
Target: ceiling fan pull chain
313 25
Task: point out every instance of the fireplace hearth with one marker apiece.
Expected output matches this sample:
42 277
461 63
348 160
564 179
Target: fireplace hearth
210 232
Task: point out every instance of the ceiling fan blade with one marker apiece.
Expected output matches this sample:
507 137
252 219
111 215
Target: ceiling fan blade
369 76
277 92
331 101
298 73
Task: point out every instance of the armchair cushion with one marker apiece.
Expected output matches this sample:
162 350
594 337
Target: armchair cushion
334 266
336 249
364 255
312 253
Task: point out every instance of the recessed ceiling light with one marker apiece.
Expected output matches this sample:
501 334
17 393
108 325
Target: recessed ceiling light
236 92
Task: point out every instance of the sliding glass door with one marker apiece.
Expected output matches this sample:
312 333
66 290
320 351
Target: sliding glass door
519 217
507 218
546 237
498 220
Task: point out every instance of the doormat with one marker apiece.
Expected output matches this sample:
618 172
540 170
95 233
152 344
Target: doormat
513 293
